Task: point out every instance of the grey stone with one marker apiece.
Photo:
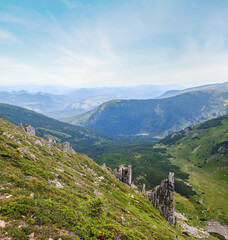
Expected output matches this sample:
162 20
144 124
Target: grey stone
104 166
56 183
67 148
95 191
31 236
163 198
213 226
3 224
125 174
25 150
21 126
51 140
28 129
118 236
37 141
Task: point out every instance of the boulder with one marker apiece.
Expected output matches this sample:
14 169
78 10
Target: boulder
28 129
51 140
67 148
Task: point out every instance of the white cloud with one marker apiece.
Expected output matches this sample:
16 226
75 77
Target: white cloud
7 36
125 44
13 65
71 4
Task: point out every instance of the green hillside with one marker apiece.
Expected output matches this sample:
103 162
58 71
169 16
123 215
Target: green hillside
205 146
45 193
156 117
202 153
80 138
199 157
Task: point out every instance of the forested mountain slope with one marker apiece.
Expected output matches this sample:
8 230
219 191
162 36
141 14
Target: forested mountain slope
155 117
80 138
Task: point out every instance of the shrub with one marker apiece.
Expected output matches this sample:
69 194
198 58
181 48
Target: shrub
95 207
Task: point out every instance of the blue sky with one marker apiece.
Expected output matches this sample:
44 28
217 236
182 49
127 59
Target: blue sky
90 43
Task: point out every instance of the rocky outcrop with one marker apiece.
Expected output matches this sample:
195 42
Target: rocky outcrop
51 140
40 142
163 198
56 183
67 148
216 227
28 129
124 174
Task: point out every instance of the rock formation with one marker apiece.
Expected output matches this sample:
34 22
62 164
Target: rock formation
51 140
163 198
67 148
28 129
124 174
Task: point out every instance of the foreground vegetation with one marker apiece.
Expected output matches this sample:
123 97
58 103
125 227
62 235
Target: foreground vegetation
45 193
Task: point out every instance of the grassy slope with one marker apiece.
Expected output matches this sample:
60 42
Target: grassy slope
81 139
205 169
156 117
58 212
207 166
205 146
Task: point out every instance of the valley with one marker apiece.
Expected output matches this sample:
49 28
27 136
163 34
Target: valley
196 154
154 118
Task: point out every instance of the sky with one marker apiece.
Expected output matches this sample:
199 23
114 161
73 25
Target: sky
92 43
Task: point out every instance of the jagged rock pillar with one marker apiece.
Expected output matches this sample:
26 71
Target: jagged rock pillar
125 174
163 198
129 174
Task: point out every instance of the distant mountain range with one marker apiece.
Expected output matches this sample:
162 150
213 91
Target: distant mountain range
216 86
69 104
154 117
79 101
